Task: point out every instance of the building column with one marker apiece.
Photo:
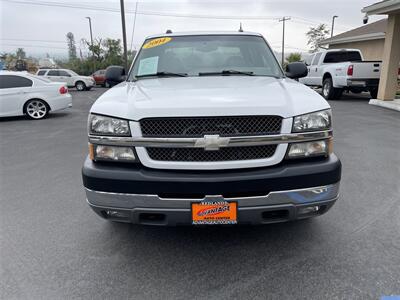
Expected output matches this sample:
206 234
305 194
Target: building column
391 59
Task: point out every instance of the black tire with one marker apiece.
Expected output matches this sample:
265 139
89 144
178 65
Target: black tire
80 86
373 93
328 91
36 109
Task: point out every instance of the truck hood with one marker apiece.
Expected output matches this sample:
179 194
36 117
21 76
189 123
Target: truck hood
208 96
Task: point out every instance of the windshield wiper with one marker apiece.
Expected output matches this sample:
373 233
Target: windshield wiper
227 72
163 74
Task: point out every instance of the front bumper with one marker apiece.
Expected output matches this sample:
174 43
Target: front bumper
160 197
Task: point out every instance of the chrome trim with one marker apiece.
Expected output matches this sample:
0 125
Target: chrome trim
296 196
236 141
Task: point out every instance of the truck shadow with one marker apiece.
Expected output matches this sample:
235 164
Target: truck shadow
210 255
216 237
209 250
361 97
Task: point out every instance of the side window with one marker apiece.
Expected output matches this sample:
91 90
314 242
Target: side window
316 59
41 72
309 59
63 73
14 81
53 73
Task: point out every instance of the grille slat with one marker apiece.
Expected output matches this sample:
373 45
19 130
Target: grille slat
201 155
200 126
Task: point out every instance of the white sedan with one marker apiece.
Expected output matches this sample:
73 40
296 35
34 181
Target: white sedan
22 93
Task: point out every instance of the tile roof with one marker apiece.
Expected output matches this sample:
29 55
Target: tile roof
373 29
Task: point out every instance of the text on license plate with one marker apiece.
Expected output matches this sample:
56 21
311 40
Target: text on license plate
214 212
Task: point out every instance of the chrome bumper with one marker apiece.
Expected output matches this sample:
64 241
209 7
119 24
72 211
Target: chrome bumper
251 210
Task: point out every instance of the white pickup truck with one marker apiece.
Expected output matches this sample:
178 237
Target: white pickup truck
207 129
338 70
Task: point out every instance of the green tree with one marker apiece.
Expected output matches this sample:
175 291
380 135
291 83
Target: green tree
9 60
113 51
20 53
315 35
293 57
71 46
96 49
102 54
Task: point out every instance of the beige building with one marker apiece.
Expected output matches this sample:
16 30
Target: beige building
388 82
378 41
370 39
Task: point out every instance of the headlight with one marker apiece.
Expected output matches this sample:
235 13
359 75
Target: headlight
101 125
111 153
320 120
309 149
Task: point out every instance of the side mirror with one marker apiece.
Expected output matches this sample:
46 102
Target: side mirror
115 75
296 70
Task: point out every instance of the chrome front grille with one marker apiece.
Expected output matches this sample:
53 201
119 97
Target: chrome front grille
201 155
200 126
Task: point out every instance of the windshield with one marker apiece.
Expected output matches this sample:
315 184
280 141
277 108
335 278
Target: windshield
203 54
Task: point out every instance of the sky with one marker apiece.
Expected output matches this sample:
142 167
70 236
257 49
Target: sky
40 26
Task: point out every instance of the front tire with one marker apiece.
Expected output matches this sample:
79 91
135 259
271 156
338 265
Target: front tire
36 109
328 91
80 86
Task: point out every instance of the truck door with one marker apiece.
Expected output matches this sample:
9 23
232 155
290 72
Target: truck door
314 70
306 80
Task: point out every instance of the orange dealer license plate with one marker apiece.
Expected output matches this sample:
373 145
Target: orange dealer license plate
214 213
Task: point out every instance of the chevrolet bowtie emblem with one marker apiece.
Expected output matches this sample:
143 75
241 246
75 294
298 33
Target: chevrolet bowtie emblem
212 142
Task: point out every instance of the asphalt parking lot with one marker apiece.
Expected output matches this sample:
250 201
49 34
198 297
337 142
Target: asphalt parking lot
53 246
